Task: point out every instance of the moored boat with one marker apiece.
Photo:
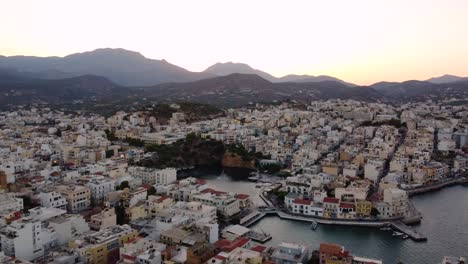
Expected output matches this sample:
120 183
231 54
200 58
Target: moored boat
314 225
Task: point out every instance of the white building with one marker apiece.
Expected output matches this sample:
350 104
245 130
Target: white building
99 188
10 203
227 205
398 201
373 169
29 237
195 210
68 227
154 176
53 199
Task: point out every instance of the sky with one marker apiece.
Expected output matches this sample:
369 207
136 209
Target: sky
360 41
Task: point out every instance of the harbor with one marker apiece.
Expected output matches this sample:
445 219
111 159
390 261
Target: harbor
396 225
365 240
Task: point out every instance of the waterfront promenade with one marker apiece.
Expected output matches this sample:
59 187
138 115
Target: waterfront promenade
435 186
398 224
395 224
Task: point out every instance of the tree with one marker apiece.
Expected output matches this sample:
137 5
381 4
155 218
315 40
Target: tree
374 212
110 135
109 153
123 185
120 214
151 191
280 194
58 133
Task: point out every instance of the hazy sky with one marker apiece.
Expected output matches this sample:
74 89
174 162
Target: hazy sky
358 41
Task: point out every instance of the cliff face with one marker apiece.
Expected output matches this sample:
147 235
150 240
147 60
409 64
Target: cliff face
232 160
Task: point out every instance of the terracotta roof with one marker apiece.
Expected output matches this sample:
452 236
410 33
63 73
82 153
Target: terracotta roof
346 205
222 242
146 186
258 248
220 257
200 181
330 248
228 246
331 200
241 196
212 191
301 201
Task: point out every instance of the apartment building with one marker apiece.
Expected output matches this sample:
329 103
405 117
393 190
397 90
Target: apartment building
78 197
53 199
103 219
102 247
154 176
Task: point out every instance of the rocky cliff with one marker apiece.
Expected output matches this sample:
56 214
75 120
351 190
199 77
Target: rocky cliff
232 160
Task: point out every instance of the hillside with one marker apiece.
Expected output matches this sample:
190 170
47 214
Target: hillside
421 90
447 78
241 89
15 89
193 111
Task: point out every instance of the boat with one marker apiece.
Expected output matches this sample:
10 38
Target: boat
254 178
395 233
405 237
314 225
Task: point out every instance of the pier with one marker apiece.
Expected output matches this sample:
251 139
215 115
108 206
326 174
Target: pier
261 237
403 228
252 218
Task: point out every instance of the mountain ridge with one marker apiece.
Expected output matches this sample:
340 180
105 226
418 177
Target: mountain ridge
131 68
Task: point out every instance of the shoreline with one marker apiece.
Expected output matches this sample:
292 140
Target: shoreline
436 187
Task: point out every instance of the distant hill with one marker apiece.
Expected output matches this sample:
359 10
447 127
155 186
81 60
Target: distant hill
447 78
17 89
309 78
422 90
240 89
222 69
118 65
225 91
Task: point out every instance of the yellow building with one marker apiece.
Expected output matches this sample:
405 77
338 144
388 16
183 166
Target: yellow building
103 247
103 219
331 169
136 212
363 208
78 197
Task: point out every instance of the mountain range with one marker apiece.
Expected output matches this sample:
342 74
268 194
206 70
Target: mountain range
116 75
130 68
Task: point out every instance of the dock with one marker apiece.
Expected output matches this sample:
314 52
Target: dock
403 228
252 218
261 237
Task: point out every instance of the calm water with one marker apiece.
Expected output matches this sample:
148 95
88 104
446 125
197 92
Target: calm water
445 224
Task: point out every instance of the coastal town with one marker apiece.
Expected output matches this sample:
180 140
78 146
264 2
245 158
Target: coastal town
81 187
